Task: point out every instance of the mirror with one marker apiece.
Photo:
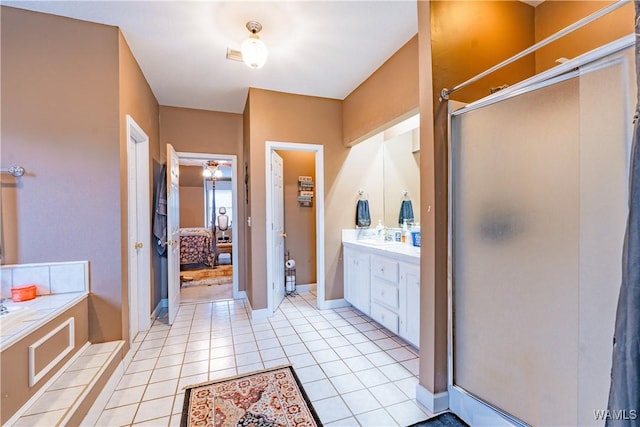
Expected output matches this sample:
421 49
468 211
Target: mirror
392 167
401 174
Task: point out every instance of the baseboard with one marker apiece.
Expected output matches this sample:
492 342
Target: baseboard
163 303
306 287
241 295
473 411
333 303
261 314
433 402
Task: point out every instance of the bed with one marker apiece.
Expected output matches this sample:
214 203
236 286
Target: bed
195 246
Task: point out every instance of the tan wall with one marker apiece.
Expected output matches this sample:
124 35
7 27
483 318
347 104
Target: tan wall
137 100
299 222
432 365
209 132
191 207
389 95
191 197
553 16
245 196
282 117
463 45
201 131
60 115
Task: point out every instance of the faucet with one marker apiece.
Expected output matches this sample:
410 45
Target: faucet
3 309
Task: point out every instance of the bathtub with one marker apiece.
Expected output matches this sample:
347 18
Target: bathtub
25 317
38 337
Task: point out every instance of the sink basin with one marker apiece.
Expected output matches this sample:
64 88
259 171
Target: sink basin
378 242
13 316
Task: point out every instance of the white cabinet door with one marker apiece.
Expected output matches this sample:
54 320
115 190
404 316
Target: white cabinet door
409 311
356 279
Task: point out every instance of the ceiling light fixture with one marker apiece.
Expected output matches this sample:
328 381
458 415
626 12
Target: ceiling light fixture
212 169
254 51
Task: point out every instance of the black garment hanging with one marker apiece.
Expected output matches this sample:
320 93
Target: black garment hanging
160 212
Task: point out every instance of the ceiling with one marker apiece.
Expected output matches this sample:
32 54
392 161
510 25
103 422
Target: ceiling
319 48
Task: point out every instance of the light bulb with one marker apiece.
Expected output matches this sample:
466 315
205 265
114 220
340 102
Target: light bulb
254 52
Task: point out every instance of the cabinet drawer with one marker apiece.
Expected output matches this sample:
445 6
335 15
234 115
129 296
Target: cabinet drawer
384 269
385 293
385 317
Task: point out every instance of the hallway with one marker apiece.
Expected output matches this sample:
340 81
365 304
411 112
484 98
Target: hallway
354 372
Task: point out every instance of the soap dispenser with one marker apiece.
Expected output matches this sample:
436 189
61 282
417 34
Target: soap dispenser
380 231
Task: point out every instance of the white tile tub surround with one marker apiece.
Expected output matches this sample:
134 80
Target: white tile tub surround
50 278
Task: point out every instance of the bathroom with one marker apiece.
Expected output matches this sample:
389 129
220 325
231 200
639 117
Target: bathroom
86 218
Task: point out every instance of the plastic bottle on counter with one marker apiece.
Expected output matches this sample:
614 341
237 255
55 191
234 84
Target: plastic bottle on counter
416 235
405 231
380 231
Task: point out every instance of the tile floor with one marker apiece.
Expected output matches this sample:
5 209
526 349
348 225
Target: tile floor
191 294
354 371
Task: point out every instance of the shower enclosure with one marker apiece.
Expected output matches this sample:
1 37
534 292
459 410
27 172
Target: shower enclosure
538 205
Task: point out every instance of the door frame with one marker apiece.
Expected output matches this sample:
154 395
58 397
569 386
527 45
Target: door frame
139 229
203 157
271 146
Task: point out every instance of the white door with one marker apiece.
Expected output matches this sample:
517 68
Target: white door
139 217
277 230
173 232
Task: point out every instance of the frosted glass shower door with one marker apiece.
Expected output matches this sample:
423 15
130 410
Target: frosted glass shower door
538 211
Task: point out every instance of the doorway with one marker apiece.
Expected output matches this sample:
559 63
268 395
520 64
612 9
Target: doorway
275 267
209 256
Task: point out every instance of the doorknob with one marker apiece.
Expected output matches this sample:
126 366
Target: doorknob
138 245
283 235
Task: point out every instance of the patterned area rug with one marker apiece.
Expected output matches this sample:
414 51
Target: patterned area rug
269 398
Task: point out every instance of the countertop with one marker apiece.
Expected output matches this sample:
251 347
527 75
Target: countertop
27 316
396 250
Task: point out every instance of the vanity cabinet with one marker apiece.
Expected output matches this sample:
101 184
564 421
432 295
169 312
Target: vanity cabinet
384 292
409 291
356 279
386 287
